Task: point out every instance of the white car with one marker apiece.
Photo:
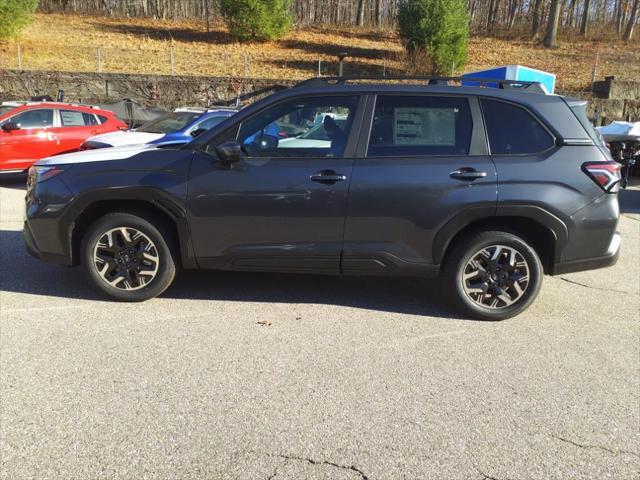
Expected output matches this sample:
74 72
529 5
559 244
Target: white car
177 127
315 137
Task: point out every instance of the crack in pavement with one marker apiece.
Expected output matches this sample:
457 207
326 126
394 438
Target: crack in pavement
485 476
275 470
488 477
312 461
596 288
597 447
629 216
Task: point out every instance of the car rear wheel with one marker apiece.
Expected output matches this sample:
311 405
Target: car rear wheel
492 275
127 257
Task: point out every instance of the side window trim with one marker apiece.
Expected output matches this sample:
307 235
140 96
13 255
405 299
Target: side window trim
538 120
352 139
478 145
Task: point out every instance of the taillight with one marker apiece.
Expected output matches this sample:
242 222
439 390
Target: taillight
605 174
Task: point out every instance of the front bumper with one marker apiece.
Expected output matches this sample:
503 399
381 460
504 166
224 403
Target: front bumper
46 234
33 250
607 260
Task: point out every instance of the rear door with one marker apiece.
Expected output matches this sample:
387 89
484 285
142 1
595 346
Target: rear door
421 163
74 127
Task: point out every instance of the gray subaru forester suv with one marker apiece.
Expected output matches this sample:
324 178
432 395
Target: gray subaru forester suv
488 188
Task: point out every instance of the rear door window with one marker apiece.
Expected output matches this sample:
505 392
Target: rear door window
420 125
512 130
73 118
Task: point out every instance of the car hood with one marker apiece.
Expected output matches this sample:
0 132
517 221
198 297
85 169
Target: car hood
117 139
98 155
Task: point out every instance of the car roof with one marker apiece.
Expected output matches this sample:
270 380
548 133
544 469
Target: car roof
551 108
207 110
27 105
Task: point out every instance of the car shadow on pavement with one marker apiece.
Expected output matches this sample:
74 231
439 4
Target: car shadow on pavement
388 294
14 182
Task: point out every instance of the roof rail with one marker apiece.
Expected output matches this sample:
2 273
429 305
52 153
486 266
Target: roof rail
529 86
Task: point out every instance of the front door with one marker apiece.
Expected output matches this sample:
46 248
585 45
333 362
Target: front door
422 163
282 206
34 139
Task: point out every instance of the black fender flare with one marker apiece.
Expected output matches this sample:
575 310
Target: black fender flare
173 207
449 230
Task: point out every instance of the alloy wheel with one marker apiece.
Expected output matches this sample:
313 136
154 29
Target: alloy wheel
126 258
496 277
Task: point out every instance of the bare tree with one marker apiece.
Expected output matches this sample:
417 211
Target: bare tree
633 17
360 14
552 25
536 19
585 18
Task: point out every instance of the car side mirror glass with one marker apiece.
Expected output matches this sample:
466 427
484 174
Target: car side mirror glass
198 131
10 127
229 152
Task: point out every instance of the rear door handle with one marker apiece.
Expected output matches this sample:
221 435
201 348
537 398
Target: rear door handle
468 174
327 177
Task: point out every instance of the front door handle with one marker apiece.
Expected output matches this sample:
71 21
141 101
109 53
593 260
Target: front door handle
467 173
327 177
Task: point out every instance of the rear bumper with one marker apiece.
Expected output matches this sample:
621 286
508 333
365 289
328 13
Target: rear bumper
607 260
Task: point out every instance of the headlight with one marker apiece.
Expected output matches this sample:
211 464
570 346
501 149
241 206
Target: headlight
39 174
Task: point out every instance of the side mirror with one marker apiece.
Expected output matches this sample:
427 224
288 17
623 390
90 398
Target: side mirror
198 131
10 127
229 152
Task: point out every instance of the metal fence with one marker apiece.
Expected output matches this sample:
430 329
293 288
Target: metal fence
170 61
255 64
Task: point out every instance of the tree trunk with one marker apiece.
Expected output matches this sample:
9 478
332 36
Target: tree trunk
360 16
585 18
379 11
552 25
535 19
628 33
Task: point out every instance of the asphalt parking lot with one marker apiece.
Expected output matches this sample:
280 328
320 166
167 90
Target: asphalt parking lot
256 376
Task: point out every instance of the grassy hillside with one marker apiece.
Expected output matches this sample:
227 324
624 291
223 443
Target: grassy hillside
64 42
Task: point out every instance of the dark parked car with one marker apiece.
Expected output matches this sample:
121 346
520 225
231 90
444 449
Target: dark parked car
488 188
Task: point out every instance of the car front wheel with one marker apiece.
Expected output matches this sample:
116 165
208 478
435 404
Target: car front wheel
127 257
493 275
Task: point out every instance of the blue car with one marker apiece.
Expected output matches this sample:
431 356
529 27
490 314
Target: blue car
179 126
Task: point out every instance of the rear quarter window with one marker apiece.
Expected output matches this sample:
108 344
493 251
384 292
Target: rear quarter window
512 130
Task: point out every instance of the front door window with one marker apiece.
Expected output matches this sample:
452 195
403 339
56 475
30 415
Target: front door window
315 127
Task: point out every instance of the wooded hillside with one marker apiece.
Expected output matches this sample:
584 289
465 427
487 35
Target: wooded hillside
91 43
580 16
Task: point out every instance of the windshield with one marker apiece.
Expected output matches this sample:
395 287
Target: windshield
171 122
6 108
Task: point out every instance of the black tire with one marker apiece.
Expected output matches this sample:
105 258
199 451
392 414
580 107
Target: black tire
467 248
162 241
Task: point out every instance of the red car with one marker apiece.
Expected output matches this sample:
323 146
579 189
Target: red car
36 130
